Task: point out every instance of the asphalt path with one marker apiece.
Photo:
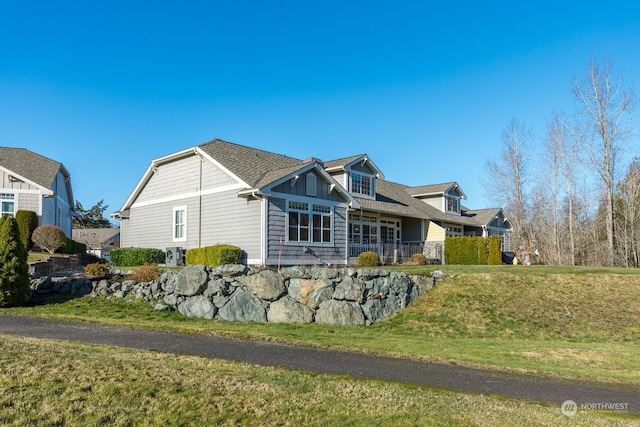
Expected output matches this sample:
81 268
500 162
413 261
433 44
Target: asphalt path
624 399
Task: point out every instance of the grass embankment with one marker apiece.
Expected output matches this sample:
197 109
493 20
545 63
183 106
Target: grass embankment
577 323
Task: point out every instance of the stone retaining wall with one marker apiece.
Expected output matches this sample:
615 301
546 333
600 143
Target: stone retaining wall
337 296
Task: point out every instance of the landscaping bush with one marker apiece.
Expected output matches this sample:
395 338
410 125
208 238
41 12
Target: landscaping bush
97 269
368 259
214 255
146 273
49 237
73 247
136 256
27 223
495 250
466 250
418 259
14 270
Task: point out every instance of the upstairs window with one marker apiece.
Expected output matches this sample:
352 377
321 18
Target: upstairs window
453 204
7 200
361 184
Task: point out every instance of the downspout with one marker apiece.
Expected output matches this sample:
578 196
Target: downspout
200 203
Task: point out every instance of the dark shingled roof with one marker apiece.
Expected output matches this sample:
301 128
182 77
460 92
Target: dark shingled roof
250 164
30 165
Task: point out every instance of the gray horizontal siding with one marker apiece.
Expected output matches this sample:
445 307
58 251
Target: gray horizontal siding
279 252
183 176
226 218
299 188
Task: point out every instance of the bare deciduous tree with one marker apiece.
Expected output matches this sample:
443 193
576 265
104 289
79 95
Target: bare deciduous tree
604 113
509 176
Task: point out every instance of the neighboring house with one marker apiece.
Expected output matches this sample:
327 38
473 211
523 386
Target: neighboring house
36 183
99 241
285 211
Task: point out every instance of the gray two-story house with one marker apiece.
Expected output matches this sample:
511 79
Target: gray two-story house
29 181
285 211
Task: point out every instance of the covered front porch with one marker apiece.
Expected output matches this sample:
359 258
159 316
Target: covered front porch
394 239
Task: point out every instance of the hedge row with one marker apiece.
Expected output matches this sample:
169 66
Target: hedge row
467 250
136 256
214 255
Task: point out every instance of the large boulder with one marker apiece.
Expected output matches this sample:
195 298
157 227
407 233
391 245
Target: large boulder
286 310
377 309
266 284
229 270
311 292
197 306
350 289
245 307
335 312
192 280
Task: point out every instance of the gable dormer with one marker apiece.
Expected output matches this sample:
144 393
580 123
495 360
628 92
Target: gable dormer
358 174
445 197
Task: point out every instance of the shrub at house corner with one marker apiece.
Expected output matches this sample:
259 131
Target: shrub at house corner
49 237
14 270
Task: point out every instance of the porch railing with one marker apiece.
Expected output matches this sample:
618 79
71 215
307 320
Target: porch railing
391 252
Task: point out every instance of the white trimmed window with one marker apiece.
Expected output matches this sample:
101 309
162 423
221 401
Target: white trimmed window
309 223
180 224
453 204
7 200
361 184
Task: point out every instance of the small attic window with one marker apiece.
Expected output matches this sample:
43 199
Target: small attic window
312 185
14 179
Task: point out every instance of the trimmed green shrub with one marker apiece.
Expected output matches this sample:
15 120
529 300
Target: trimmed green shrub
368 259
73 247
14 270
214 255
27 223
418 259
49 237
136 256
495 250
468 250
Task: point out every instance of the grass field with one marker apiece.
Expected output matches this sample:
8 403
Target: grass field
567 322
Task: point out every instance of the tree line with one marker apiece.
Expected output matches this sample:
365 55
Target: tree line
585 210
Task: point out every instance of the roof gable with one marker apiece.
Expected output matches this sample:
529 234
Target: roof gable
32 167
347 163
436 190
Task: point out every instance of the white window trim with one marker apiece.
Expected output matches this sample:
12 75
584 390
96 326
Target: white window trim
173 224
13 199
310 212
372 185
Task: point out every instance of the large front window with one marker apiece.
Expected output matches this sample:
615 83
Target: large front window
180 224
7 200
361 184
309 222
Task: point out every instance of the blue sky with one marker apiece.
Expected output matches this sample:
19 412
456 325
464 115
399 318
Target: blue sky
424 88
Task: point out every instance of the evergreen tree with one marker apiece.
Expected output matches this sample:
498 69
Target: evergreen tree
14 270
27 223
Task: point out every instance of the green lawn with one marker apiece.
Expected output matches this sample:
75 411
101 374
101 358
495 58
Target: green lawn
578 323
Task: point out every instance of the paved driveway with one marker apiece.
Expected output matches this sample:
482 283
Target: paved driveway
434 375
